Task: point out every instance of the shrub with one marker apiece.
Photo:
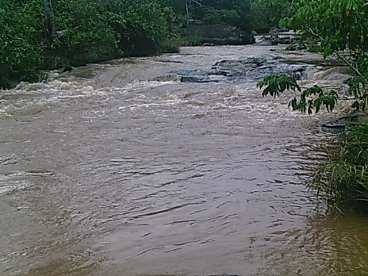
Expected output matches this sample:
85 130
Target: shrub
85 34
345 176
142 27
21 40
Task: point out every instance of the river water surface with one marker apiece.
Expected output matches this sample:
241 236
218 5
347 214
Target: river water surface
165 166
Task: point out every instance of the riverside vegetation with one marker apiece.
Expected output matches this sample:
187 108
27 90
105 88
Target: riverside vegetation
40 35
339 28
49 34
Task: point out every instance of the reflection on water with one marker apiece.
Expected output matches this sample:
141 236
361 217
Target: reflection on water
122 169
328 245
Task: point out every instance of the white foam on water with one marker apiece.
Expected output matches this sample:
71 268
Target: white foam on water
140 85
13 187
13 182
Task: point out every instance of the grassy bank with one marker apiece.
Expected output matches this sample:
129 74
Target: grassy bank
343 180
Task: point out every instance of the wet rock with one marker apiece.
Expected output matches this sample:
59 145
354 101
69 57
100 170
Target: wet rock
67 69
219 34
163 60
198 116
250 68
334 126
208 44
340 73
264 42
277 36
358 117
255 68
199 76
296 46
340 124
237 67
167 78
199 79
274 36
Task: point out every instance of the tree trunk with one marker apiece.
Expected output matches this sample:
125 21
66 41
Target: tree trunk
50 20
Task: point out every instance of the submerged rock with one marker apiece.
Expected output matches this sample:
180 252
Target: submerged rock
340 73
340 124
334 126
199 76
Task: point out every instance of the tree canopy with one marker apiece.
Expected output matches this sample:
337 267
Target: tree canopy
85 31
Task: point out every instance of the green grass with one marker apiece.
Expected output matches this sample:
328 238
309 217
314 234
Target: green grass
344 178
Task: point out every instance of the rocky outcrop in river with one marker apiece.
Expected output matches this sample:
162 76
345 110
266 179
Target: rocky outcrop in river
245 69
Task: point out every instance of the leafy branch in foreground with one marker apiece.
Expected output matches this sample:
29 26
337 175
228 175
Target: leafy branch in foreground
277 84
310 100
339 28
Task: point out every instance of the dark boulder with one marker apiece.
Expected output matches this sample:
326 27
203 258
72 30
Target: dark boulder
199 76
340 124
237 67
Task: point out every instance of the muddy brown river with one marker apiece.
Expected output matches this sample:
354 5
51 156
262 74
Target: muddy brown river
169 165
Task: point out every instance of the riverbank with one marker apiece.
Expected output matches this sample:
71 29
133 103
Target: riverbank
41 35
343 180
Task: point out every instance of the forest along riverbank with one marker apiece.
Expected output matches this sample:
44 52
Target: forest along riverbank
173 164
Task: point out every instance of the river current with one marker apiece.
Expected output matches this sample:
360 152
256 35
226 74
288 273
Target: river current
168 166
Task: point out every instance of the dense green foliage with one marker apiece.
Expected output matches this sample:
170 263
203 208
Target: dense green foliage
267 14
21 40
231 12
47 34
335 24
85 31
277 84
310 100
143 27
86 34
259 15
